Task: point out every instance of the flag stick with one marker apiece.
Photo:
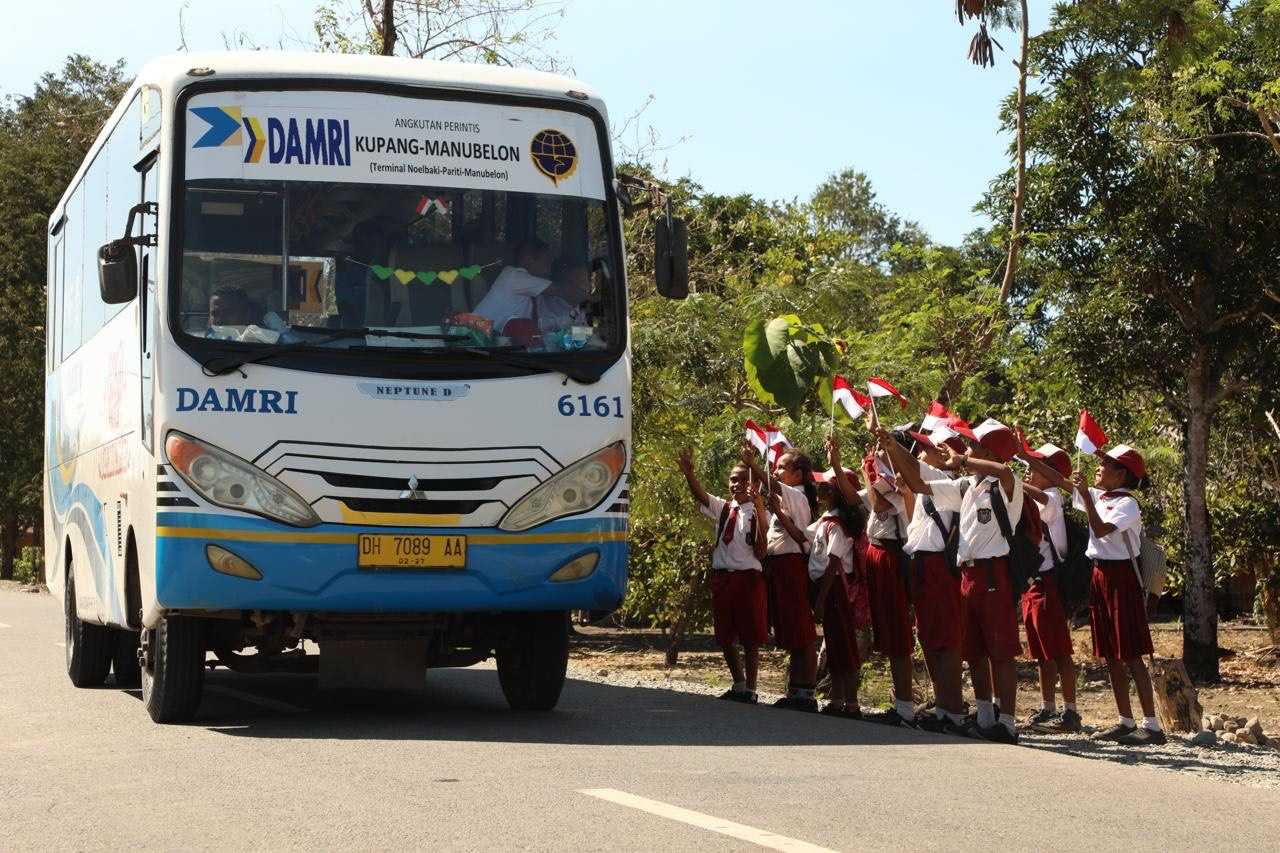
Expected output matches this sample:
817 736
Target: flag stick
876 415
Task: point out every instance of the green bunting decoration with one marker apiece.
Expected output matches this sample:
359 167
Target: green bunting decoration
468 273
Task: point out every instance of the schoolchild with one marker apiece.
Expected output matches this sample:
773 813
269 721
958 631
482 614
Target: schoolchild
737 584
791 504
989 617
1043 616
935 592
1117 602
886 576
834 566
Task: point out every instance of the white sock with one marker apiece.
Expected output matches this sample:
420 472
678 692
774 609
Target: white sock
1069 706
1128 722
1151 724
740 686
939 712
905 709
986 712
1006 720
1051 706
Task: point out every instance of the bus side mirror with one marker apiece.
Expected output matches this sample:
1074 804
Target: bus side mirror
671 257
117 271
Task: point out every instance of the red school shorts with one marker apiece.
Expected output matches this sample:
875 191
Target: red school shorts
1048 634
890 615
788 579
935 593
739 609
838 629
1117 612
990 617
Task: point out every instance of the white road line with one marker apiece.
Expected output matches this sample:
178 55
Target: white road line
273 704
763 838
5 625
60 643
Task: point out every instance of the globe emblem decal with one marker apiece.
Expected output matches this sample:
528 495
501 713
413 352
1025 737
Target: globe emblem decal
553 155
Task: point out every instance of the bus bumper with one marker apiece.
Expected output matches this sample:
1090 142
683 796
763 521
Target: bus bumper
315 570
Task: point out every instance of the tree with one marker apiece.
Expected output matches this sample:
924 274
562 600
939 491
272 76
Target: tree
43 139
1163 260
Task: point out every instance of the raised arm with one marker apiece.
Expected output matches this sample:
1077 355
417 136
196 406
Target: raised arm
1037 495
762 527
904 463
1099 527
788 524
999 470
843 483
1047 471
749 457
695 488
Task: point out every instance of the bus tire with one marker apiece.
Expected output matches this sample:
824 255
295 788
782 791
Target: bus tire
88 646
533 661
124 658
173 669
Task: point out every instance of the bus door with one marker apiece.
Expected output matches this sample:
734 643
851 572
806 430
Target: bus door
147 303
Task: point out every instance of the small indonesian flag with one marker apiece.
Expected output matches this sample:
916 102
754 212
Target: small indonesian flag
768 440
426 204
853 400
878 387
936 416
1089 436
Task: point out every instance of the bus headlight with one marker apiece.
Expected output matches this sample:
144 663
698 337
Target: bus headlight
578 488
227 480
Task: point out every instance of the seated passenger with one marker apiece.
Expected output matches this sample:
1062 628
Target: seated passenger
229 306
511 295
562 304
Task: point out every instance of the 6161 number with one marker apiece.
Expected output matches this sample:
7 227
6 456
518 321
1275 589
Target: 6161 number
580 405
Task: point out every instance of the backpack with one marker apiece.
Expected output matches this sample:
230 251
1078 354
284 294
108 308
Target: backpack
1151 562
1074 571
950 538
1024 541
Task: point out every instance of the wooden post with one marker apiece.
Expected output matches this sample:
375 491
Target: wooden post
1176 700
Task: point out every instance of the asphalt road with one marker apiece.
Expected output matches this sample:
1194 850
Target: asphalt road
273 764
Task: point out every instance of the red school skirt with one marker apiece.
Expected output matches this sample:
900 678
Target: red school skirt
990 618
1048 634
788 580
890 615
839 630
935 593
1118 612
739 608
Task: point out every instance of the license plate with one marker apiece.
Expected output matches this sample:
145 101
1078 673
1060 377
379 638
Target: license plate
397 551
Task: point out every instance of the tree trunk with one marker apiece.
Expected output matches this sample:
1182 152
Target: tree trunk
1200 611
8 542
1015 227
1176 699
388 28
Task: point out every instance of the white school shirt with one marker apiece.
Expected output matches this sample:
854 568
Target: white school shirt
1056 524
828 539
980 535
1119 509
511 296
555 314
889 525
738 555
922 533
796 505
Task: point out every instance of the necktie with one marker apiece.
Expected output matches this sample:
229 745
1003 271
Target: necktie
1115 494
729 524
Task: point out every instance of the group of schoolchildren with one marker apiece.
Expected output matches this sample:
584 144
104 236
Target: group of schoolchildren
916 544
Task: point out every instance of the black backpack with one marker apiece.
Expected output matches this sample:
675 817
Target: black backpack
1024 544
1074 571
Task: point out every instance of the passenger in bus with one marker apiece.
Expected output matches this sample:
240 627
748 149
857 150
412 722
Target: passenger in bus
371 242
562 305
512 293
229 306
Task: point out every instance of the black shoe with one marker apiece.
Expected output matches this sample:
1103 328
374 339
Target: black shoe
832 710
1068 722
970 728
740 696
998 733
890 718
931 723
1143 736
798 703
950 728
851 713
1043 717
1116 732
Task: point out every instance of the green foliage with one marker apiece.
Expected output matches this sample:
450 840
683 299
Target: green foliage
786 361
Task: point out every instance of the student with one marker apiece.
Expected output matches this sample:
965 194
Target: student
1117 603
935 592
990 620
1045 620
791 505
737 585
512 294
832 565
886 578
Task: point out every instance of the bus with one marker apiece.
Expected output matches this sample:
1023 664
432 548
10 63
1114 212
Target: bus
338 354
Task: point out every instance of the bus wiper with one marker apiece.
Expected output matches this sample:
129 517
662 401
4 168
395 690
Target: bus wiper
222 365
511 356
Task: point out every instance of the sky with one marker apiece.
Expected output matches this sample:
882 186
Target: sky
747 98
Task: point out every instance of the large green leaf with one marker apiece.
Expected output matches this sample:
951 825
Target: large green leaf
786 360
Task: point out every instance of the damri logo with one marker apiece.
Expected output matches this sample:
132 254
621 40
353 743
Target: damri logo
289 141
263 401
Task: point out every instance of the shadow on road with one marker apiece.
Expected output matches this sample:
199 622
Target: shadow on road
467 705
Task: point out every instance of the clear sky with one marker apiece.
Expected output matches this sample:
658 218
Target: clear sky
768 98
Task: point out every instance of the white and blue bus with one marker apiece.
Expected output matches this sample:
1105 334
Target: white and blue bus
337 352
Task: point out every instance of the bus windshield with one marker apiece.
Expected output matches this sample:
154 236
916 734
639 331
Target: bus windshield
421 224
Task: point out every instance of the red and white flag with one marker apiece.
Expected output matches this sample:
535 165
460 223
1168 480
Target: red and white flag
853 400
878 387
768 440
936 416
1089 436
426 203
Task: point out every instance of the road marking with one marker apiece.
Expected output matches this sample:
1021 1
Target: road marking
273 704
5 625
60 643
761 837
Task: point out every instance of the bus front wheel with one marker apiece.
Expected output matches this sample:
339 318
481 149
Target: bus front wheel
172 656
533 660
88 646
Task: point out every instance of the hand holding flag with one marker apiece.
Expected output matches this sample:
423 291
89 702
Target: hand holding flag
854 401
768 441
